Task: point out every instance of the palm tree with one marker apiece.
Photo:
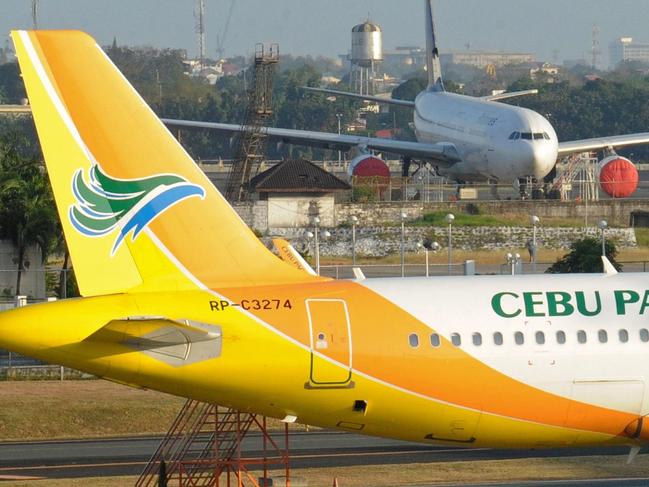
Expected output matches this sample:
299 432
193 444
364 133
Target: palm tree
27 212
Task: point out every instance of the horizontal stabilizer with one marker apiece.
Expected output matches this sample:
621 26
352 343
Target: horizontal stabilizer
174 342
510 94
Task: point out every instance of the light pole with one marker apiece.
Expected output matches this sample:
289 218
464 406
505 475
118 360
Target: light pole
428 246
535 221
403 244
316 228
339 116
512 260
449 219
354 221
603 225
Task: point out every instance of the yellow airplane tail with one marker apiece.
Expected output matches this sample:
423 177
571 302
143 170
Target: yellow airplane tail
137 212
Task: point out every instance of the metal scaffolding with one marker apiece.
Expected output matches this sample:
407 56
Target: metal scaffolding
203 448
578 177
252 141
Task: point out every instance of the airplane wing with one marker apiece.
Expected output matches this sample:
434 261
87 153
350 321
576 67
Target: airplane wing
411 104
443 153
377 99
585 145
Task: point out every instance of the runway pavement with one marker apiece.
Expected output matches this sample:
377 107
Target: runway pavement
127 456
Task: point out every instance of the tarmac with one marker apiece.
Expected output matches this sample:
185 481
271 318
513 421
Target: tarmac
128 456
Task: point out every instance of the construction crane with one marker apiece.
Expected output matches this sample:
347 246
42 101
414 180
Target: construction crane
220 39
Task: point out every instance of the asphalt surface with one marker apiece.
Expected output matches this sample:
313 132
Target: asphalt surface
128 456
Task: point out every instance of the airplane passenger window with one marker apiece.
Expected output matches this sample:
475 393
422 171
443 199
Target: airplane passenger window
561 337
540 337
477 339
581 336
526 135
456 339
623 335
434 340
498 338
602 336
413 339
519 339
644 335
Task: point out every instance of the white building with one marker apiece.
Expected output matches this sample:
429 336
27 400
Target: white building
625 50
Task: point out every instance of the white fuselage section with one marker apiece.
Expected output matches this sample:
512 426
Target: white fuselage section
583 337
495 141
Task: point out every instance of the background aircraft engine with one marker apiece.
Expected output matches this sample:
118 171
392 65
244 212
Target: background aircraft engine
618 176
368 166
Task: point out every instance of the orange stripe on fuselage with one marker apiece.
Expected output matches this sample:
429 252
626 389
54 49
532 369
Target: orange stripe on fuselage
380 350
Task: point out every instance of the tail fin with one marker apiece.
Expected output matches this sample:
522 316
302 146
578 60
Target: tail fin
288 254
433 65
136 211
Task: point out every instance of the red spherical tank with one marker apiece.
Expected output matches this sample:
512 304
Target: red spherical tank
618 176
369 166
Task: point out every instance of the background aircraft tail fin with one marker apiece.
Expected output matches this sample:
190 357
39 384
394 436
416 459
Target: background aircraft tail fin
433 65
137 212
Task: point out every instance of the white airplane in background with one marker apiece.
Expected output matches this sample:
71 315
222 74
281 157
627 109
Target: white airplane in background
465 138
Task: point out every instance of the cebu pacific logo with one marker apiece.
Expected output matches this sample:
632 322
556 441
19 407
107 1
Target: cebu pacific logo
105 204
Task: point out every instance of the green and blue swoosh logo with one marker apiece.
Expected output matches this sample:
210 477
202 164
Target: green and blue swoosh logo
105 203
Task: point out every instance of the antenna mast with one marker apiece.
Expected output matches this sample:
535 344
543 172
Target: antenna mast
199 15
596 47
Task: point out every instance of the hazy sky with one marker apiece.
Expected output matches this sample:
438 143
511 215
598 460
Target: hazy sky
322 27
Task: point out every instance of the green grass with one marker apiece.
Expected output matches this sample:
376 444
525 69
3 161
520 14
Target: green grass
642 237
438 218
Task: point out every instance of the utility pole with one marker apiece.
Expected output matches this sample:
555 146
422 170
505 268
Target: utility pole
35 14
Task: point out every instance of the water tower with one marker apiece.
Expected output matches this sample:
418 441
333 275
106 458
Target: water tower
367 54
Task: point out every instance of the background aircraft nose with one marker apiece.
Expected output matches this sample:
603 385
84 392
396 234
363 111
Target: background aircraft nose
544 157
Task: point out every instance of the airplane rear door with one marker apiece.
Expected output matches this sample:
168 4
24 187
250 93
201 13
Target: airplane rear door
331 343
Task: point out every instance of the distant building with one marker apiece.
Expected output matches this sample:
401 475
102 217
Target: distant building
544 71
482 59
625 50
406 56
297 191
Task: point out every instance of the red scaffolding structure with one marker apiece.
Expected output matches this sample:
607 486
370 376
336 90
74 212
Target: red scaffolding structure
203 448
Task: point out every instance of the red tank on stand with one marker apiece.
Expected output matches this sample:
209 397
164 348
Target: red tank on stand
618 176
369 166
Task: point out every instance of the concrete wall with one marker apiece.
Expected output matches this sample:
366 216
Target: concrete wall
298 211
294 211
379 241
616 212
290 210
